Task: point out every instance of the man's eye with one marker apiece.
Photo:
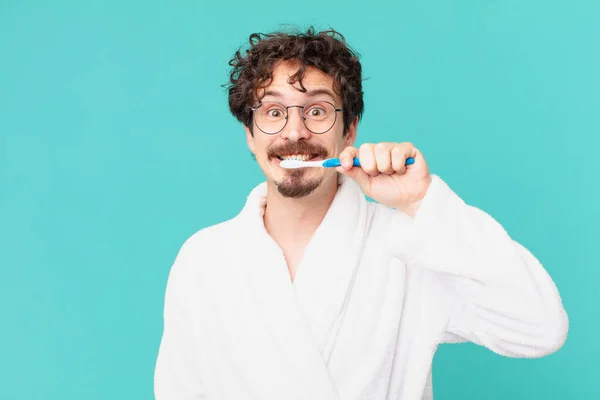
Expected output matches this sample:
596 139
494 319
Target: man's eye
316 112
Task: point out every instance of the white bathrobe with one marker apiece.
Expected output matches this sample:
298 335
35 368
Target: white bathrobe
375 294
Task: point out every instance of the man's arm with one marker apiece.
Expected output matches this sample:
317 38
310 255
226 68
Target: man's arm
176 376
501 297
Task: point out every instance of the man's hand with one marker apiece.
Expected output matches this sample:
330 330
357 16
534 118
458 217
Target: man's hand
384 177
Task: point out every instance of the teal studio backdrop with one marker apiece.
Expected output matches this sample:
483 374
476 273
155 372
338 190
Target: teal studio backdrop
116 145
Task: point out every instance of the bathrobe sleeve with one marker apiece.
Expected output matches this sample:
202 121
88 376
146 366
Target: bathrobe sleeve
498 293
176 376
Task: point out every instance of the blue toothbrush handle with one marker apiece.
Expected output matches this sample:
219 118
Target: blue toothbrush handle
335 162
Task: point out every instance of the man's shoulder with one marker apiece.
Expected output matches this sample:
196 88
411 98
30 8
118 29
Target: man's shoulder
212 237
379 211
205 251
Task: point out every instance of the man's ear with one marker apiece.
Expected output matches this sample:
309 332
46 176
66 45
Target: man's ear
351 132
250 140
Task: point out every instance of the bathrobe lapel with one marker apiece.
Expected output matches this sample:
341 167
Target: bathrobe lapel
303 318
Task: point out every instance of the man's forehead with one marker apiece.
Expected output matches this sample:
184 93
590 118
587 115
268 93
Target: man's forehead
315 83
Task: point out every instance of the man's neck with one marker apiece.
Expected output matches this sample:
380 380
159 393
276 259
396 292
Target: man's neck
294 221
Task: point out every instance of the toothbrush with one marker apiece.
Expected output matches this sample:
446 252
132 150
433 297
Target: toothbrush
293 163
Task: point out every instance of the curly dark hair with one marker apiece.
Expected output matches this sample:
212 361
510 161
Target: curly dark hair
326 50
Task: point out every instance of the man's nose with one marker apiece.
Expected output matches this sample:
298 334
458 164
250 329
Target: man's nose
295 128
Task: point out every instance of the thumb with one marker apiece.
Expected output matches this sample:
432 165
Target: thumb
356 173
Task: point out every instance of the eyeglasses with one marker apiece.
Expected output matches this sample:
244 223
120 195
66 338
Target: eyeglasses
318 117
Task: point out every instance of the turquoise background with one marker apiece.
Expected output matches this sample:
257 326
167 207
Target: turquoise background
116 145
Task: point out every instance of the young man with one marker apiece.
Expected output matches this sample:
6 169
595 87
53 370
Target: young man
313 292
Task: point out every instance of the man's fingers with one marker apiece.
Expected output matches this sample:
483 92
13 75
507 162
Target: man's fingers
347 168
398 160
368 163
375 159
347 157
400 153
383 157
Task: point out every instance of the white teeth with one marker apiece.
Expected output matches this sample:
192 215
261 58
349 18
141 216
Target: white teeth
302 157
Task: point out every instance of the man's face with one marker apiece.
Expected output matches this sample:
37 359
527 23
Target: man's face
295 139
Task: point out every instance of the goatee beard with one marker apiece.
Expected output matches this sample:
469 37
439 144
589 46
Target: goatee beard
295 187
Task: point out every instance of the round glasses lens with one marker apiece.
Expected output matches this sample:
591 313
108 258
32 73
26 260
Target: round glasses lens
270 117
319 116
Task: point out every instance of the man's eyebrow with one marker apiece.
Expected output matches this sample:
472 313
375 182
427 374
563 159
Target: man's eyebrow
272 93
311 93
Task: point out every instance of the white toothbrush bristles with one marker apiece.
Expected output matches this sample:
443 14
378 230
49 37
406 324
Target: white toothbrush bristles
294 163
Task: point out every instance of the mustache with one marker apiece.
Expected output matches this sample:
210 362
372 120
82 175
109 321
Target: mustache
290 148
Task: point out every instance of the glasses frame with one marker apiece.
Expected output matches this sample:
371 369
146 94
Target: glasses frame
287 115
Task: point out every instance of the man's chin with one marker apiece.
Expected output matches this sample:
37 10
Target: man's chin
296 187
